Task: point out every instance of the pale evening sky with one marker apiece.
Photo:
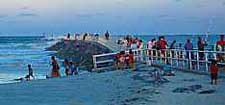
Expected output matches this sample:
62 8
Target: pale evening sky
117 16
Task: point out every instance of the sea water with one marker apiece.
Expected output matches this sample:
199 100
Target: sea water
16 52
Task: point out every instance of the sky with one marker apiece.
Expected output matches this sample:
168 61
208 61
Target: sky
117 16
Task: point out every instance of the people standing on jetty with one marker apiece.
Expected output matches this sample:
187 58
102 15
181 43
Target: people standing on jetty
107 35
214 72
188 47
55 67
189 54
68 36
201 48
85 36
30 73
96 37
173 46
163 46
220 45
66 66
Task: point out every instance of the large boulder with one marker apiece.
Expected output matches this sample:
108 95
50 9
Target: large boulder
78 51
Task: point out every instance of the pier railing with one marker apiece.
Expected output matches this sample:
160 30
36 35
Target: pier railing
193 60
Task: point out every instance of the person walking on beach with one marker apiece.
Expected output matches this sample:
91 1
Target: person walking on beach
214 72
30 73
66 66
55 67
201 47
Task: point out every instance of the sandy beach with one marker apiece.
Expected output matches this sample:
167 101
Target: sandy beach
115 88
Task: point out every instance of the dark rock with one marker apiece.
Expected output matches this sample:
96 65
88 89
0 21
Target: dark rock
207 92
195 87
78 51
192 88
181 90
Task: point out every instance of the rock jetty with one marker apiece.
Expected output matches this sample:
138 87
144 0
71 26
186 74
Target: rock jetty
79 51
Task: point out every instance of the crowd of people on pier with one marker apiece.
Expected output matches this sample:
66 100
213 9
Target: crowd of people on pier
127 58
160 48
161 45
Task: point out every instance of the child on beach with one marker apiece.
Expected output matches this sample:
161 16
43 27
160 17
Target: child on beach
73 69
214 71
30 73
66 66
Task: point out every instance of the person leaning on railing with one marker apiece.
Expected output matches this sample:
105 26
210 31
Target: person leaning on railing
131 60
220 46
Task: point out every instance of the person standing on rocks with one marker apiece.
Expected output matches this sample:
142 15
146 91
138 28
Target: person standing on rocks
107 35
201 48
55 67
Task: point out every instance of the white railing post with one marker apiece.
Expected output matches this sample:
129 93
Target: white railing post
177 57
206 62
190 60
94 62
152 56
183 58
171 57
198 65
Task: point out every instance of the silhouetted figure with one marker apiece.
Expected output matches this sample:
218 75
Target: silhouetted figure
30 73
201 47
107 35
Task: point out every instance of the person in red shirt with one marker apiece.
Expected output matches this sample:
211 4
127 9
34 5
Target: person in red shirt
131 60
220 47
214 71
163 45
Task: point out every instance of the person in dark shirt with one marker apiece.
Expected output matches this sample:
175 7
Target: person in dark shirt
30 73
201 47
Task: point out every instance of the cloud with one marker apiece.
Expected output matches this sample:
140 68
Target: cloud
178 0
120 2
3 16
25 8
27 15
163 16
89 15
223 3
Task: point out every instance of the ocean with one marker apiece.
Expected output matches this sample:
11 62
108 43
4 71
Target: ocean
16 52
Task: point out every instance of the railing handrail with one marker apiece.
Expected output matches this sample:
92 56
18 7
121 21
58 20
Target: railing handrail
148 54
